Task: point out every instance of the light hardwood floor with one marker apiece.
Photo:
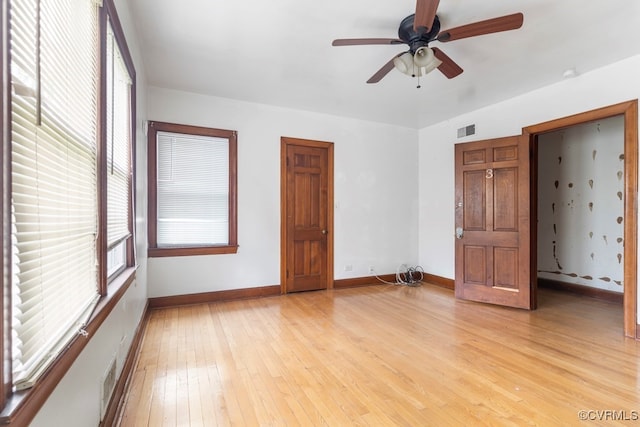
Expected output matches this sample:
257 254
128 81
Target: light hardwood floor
385 355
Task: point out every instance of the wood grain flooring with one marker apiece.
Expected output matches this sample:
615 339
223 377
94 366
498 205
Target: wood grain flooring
385 356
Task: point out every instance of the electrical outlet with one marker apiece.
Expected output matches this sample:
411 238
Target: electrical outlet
372 270
348 267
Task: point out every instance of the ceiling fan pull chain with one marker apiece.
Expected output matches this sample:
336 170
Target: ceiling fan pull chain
418 74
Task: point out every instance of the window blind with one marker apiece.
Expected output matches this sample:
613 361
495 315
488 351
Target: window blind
192 190
118 143
54 66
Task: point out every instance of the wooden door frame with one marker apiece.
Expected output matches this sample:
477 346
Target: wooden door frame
285 142
629 110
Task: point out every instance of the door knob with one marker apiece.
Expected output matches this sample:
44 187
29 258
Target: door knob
324 231
459 232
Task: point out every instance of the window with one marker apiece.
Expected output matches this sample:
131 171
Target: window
118 171
54 148
67 216
192 190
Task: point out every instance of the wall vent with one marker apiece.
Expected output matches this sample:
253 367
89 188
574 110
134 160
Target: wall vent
466 131
108 384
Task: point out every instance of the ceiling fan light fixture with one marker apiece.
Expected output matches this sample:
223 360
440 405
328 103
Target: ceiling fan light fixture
426 59
404 63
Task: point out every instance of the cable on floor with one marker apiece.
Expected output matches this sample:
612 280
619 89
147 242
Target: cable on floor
412 276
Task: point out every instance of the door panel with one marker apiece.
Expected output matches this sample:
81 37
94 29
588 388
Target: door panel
306 219
475 264
475 201
492 209
505 193
506 267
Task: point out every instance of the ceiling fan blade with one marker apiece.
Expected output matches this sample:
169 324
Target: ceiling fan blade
355 42
382 71
448 67
425 14
495 25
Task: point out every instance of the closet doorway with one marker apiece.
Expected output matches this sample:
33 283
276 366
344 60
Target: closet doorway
625 239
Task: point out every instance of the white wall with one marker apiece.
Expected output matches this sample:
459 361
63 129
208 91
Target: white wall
376 189
76 400
581 204
606 86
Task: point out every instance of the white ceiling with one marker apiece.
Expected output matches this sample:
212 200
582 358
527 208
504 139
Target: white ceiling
279 52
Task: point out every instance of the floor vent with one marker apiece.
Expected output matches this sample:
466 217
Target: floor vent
108 384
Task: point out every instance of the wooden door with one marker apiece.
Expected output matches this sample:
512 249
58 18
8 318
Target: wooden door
492 222
307 218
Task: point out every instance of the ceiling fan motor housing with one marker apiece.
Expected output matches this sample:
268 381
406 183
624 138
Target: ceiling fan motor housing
420 38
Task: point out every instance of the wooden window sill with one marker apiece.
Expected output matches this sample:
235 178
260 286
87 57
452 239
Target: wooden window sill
205 250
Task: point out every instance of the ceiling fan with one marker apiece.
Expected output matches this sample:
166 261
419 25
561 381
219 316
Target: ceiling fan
423 27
